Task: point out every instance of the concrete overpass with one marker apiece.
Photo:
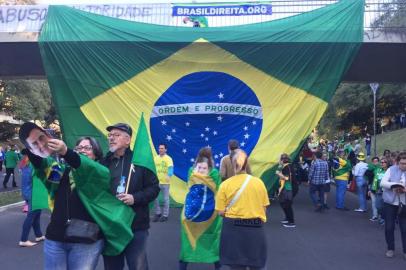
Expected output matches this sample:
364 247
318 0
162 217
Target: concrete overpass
382 57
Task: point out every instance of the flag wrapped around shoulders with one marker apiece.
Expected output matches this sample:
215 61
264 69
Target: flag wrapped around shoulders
200 224
92 181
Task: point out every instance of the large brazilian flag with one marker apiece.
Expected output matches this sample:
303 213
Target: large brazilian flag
266 85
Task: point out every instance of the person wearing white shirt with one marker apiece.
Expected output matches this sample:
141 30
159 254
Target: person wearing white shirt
394 198
359 176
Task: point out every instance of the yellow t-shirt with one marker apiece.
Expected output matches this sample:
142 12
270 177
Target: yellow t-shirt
251 203
162 164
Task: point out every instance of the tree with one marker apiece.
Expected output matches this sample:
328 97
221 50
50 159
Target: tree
392 16
351 108
26 100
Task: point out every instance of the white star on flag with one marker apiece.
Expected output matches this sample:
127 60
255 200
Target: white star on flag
192 160
221 154
217 164
202 135
184 151
214 133
163 122
168 137
187 124
219 118
245 128
242 144
216 156
254 123
246 136
173 130
221 95
183 140
207 129
206 139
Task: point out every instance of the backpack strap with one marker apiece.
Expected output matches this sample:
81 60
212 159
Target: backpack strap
239 192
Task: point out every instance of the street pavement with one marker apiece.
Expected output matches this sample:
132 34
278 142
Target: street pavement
332 240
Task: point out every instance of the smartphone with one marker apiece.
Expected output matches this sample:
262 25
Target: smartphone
51 132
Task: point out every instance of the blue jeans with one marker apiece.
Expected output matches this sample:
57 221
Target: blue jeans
341 188
71 256
33 219
165 194
361 192
135 254
379 203
319 189
391 213
368 148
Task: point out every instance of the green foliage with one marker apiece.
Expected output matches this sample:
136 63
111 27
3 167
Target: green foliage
28 100
351 108
393 16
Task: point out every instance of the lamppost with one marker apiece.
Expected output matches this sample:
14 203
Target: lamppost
374 88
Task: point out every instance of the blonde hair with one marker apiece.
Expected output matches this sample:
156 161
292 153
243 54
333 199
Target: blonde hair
239 160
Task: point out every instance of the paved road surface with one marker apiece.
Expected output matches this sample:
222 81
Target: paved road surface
332 240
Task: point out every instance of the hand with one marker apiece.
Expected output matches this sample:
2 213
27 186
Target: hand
399 190
128 199
57 146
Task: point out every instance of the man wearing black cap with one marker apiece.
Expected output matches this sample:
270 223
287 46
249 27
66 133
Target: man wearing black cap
143 189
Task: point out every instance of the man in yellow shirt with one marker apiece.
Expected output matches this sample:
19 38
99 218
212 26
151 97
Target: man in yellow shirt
164 169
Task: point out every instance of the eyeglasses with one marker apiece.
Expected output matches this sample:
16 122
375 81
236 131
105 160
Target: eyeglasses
113 135
85 148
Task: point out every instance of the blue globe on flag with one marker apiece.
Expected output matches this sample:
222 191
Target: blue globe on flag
205 109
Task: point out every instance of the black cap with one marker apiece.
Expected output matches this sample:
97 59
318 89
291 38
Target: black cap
121 126
25 130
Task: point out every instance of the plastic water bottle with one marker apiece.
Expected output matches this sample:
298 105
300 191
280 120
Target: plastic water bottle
121 186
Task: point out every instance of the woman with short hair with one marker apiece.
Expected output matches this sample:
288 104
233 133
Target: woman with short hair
242 201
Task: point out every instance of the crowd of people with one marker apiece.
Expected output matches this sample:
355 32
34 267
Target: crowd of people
381 179
224 210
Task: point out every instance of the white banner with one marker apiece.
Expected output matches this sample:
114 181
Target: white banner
30 18
18 18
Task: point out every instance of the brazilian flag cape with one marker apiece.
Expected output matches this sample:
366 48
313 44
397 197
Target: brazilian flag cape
266 84
92 182
200 241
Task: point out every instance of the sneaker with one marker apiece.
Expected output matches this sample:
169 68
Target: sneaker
284 221
381 222
389 254
156 218
289 225
39 239
359 210
163 219
26 244
373 219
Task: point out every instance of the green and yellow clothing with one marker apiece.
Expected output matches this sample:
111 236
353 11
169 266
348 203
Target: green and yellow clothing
286 183
251 203
343 171
11 159
379 172
162 165
200 241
